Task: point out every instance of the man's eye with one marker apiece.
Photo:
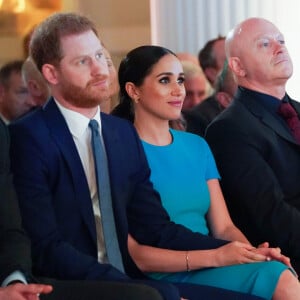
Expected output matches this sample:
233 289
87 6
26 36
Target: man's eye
98 56
82 61
282 42
22 92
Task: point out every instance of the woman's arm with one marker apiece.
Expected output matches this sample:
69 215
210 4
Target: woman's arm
222 226
218 216
152 259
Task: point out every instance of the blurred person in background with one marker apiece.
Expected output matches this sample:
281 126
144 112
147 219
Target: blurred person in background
187 56
197 88
35 82
198 118
15 100
212 57
106 106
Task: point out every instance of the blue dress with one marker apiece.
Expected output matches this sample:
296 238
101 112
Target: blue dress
179 172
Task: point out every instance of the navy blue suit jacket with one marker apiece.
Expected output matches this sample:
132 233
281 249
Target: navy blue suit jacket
56 205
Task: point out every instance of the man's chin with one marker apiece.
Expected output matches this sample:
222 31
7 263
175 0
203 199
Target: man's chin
90 103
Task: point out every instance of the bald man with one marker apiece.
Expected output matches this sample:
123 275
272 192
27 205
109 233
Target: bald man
35 82
256 152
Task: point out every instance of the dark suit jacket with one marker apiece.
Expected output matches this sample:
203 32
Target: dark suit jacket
14 245
15 251
259 162
56 205
199 117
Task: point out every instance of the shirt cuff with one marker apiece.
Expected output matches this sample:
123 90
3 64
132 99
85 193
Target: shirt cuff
15 276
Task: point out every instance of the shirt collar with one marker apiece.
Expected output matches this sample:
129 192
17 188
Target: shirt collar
77 123
269 102
4 119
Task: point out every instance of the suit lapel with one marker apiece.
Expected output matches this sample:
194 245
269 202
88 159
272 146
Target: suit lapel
113 147
63 138
257 109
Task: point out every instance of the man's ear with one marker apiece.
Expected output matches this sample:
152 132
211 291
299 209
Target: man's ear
132 91
50 73
236 66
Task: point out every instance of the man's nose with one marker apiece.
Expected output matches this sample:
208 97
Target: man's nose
99 67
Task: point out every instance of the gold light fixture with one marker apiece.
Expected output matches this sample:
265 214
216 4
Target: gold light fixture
19 16
13 6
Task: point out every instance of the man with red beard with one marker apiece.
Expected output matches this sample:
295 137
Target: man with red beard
56 175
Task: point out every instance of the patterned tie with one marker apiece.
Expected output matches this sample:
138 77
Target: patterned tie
107 215
287 111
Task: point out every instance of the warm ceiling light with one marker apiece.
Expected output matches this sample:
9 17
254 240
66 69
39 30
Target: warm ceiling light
19 6
15 6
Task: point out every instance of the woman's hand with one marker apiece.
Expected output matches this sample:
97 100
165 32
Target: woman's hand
272 253
238 253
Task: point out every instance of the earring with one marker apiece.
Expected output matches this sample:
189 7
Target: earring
136 100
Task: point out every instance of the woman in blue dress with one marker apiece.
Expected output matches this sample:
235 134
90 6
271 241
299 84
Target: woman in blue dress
183 171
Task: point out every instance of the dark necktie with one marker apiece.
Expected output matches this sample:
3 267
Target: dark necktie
287 111
104 193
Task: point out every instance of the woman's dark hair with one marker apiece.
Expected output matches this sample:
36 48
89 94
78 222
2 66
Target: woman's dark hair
135 67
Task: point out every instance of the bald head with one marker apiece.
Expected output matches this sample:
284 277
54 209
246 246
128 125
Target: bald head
258 57
242 32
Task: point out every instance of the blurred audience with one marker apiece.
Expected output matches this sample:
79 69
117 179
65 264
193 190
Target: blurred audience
257 153
198 118
197 88
212 57
26 41
225 87
187 56
15 99
35 82
178 124
106 106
